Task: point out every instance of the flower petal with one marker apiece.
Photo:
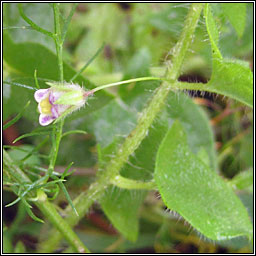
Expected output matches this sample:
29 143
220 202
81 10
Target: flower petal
61 108
46 119
54 95
54 110
41 94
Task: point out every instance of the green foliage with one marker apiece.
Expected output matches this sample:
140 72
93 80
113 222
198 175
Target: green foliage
243 180
212 31
121 207
200 137
229 77
18 154
152 138
192 189
233 79
24 59
7 245
36 12
236 13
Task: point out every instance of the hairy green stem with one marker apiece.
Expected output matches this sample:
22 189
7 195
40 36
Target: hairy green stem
14 172
48 209
57 131
56 144
123 182
209 23
50 212
58 39
186 37
97 189
16 118
140 79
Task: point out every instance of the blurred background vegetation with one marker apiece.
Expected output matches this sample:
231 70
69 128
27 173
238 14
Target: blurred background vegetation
138 38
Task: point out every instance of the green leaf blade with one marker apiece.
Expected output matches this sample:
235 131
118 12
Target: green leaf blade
121 207
189 187
233 79
196 124
16 118
243 180
236 13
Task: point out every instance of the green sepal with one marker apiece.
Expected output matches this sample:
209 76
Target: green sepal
70 98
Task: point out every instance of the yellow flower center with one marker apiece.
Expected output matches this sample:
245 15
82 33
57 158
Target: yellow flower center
45 106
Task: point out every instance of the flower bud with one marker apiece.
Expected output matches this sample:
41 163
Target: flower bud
58 101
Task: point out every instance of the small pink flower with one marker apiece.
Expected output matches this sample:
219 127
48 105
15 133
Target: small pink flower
59 100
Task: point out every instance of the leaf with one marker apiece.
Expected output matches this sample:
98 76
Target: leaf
231 45
31 134
66 194
7 244
170 18
24 58
16 118
196 124
241 242
203 156
20 85
15 98
153 28
37 12
236 13
101 242
30 213
229 77
17 154
121 206
88 62
242 180
73 132
141 164
114 119
232 78
212 31
192 189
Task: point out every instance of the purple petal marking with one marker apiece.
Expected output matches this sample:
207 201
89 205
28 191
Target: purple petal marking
55 113
54 95
61 108
45 119
41 94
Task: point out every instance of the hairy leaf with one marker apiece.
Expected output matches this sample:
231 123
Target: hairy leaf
192 189
196 124
233 79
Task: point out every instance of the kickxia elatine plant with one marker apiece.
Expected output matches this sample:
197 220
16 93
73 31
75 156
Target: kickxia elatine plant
149 137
